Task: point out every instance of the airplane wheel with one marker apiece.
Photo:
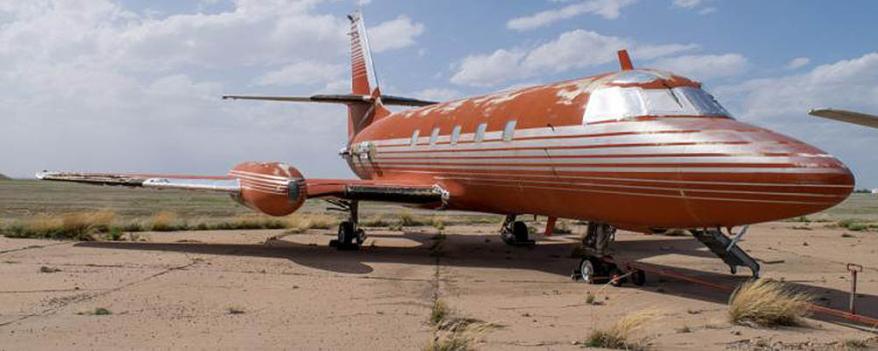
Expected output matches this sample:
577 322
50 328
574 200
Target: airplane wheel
589 270
345 234
519 231
638 277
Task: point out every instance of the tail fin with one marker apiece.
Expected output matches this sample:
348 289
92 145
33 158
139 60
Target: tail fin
363 79
362 68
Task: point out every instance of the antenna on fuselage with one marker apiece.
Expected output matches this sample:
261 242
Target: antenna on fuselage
624 60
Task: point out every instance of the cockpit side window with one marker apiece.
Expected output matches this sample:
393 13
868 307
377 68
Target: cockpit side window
702 101
616 103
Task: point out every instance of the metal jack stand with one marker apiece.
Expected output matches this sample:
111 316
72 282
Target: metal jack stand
854 269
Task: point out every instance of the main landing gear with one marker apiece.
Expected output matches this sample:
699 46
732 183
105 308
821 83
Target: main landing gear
515 233
596 266
350 236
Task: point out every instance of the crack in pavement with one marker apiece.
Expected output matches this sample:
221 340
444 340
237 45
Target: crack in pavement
86 297
46 291
36 247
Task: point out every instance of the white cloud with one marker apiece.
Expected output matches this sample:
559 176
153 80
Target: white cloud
707 10
438 94
704 67
91 85
571 50
798 62
394 34
857 78
489 70
697 5
609 9
688 4
782 104
307 72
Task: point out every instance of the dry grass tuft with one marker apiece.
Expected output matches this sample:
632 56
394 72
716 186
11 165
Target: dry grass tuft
78 226
453 333
619 335
99 311
376 222
298 223
164 221
767 303
438 312
854 344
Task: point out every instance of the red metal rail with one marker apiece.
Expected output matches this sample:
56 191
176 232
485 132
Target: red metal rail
646 267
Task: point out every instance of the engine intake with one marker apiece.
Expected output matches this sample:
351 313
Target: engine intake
273 188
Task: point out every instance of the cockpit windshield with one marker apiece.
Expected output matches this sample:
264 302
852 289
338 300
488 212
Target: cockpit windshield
616 103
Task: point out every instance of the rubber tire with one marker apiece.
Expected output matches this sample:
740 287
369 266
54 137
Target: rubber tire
587 270
519 231
593 265
638 277
345 234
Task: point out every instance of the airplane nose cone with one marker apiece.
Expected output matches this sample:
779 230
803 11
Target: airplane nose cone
773 177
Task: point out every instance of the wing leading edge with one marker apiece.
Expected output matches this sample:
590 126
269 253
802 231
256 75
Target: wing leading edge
350 189
862 119
338 99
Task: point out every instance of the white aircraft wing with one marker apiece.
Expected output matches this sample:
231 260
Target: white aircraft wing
862 119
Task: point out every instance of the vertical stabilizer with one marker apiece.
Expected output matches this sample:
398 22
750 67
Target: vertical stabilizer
363 79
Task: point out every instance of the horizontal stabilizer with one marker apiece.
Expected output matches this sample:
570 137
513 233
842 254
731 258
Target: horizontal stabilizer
862 119
338 99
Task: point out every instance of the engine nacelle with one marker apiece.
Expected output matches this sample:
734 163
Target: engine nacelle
273 188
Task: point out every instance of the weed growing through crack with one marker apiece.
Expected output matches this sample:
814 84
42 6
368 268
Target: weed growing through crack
767 303
452 333
99 311
620 335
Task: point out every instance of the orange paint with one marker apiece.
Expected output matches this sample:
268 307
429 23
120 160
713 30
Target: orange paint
271 188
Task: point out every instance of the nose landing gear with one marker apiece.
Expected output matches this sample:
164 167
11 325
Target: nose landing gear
597 266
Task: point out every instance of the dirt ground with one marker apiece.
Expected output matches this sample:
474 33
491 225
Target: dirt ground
247 290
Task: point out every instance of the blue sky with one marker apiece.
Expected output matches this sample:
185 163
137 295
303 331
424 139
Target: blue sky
133 85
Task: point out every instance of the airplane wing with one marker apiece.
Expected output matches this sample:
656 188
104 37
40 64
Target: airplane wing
338 99
862 119
237 181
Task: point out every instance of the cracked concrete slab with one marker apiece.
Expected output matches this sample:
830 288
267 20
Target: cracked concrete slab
246 290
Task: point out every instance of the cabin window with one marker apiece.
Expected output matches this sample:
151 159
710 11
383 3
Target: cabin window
480 132
509 130
434 136
455 135
415 137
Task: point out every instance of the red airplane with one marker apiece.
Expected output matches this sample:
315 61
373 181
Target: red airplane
638 149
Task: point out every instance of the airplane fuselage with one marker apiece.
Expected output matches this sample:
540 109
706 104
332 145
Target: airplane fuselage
638 149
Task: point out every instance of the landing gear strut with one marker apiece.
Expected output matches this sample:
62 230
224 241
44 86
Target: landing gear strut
596 266
515 233
350 236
